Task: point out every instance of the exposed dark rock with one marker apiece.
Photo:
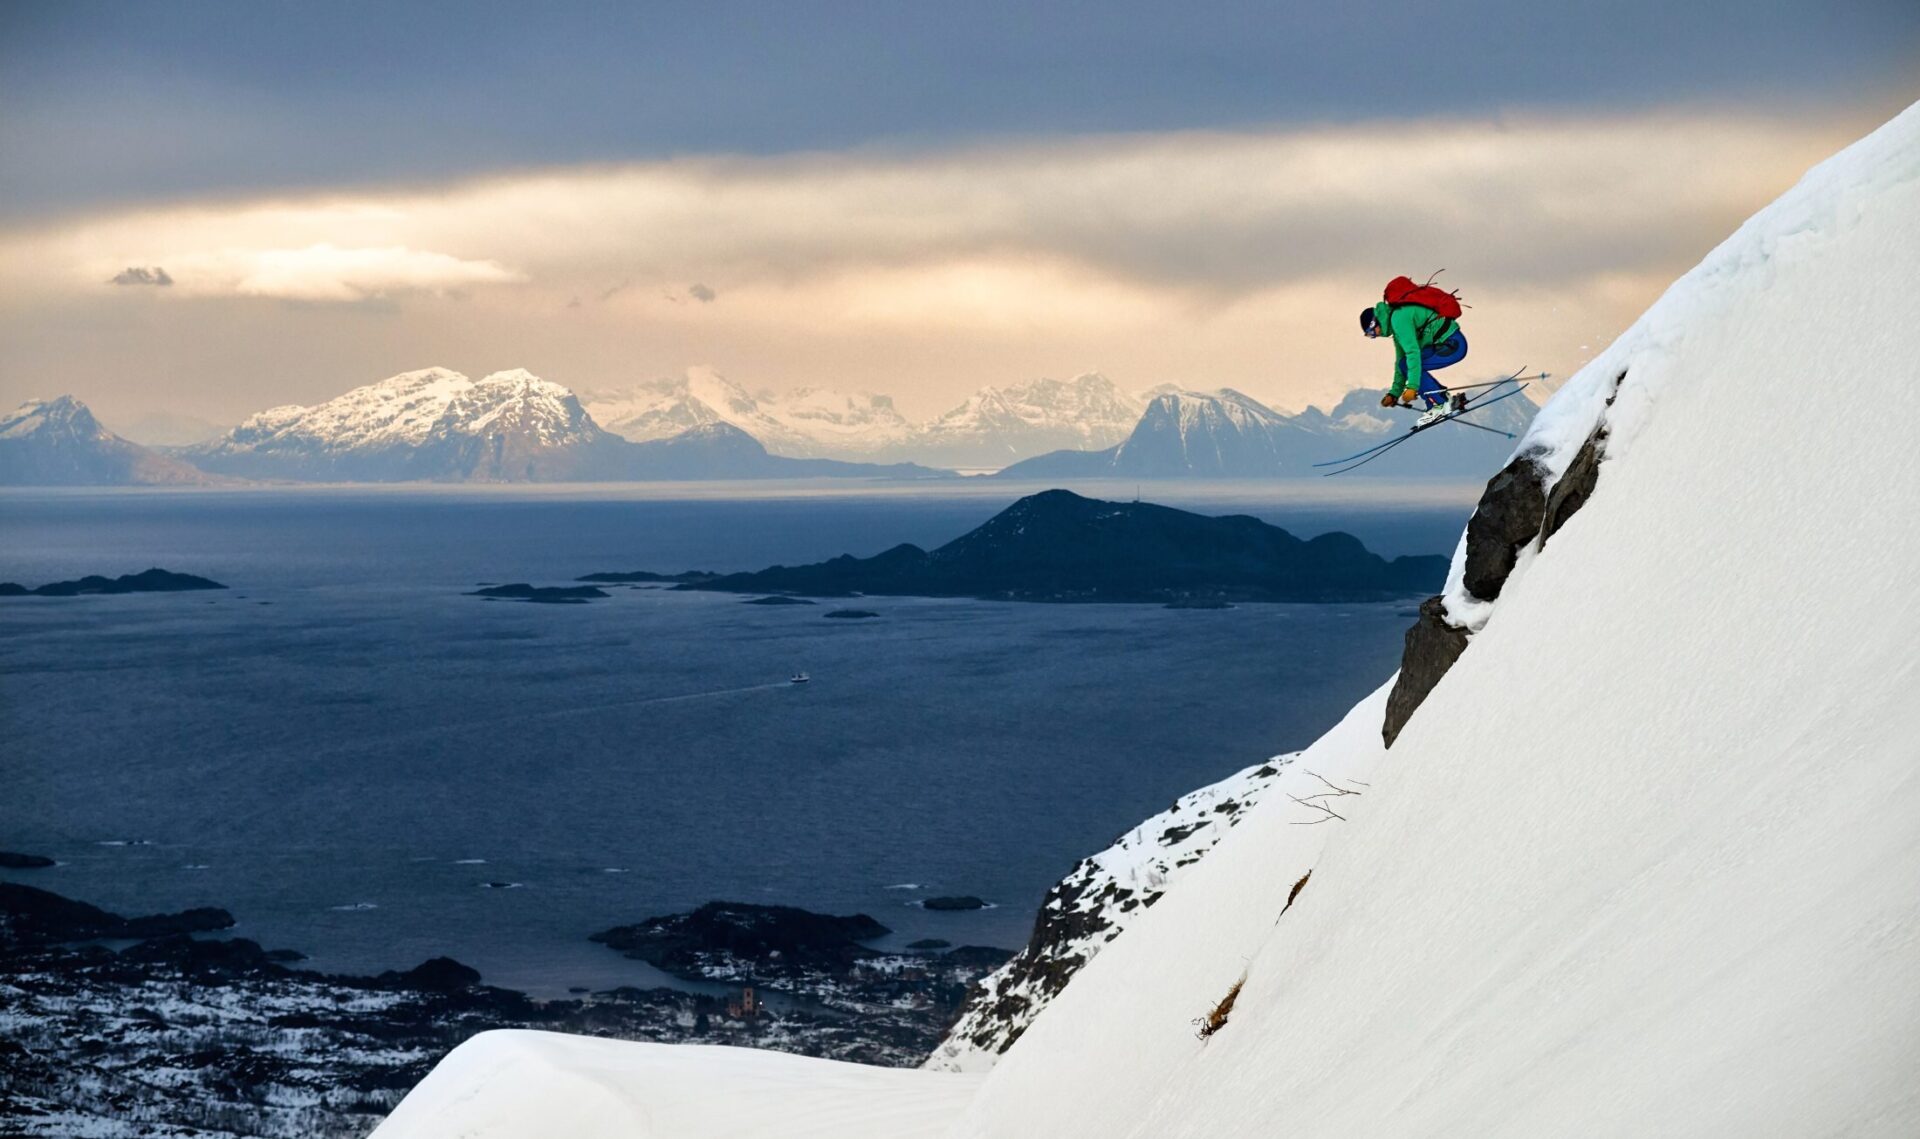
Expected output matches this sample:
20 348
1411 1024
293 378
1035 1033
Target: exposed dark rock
930 943
1507 518
438 975
12 861
229 957
1432 647
779 599
1295 892
853 614
31 916
542 594
985 958
959 902
1180 833
146 581
1576 485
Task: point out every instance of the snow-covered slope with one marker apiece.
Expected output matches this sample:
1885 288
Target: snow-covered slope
1094 904
428 424
58 442
1645 861
522 1085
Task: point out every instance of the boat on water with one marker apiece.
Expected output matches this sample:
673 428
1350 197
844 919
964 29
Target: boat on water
799 678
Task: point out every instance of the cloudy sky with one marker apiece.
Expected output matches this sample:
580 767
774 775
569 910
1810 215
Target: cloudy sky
211 208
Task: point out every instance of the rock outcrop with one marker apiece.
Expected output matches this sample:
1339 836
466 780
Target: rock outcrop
1507 518
1432 646
1522 505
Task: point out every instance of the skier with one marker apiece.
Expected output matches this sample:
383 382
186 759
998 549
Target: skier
1424 323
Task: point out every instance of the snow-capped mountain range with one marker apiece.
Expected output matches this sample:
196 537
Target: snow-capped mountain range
993 427
512 426
1229 434
58 442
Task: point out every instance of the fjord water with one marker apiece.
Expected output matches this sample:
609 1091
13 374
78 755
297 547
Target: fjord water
346 751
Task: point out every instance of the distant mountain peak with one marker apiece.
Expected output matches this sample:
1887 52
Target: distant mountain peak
61 414
430 423
58 441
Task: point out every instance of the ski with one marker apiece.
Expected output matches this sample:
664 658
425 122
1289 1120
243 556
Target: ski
1515 378
1379 449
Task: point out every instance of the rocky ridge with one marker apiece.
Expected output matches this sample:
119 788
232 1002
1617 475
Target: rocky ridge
1090 907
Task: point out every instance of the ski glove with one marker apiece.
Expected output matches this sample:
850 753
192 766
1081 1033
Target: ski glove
1388 400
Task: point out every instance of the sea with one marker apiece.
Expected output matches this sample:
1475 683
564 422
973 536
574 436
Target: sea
364 763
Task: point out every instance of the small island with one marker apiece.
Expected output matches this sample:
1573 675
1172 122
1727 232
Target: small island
853 614
961 902
1057 546
154 580
541 594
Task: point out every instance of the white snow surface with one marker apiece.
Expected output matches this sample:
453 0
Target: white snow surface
520 1084
412 408
62 415
1646 862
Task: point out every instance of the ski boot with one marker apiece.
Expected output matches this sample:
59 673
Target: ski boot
1433 414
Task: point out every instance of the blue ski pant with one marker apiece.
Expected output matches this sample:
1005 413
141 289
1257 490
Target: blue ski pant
1434 357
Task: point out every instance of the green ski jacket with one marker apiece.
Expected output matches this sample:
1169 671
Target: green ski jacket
1413 327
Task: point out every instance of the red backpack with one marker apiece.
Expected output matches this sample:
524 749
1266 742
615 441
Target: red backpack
1402 291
